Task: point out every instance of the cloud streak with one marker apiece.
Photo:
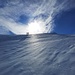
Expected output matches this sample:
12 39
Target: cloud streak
16 28
13 9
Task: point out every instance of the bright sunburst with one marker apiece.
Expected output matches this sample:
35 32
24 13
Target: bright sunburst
35 27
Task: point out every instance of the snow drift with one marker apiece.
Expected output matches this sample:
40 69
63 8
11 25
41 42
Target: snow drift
44 54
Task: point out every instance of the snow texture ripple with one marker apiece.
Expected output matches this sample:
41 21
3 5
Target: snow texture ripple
44 54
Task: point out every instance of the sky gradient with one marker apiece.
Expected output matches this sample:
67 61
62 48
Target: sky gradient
18 16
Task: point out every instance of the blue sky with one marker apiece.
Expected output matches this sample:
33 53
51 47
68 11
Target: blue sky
51 15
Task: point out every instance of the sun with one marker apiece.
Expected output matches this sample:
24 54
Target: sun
35 28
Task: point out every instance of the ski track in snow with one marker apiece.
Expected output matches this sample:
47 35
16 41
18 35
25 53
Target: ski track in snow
44 54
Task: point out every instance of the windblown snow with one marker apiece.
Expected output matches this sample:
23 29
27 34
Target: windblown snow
42 54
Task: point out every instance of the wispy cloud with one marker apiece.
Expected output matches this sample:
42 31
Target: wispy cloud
11 25
13 9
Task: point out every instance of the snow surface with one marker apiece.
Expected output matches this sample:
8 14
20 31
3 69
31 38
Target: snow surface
44 54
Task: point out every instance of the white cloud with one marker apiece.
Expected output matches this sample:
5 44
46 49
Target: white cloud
11 25
15 8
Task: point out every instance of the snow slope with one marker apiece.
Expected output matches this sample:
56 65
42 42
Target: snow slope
43 54
5 31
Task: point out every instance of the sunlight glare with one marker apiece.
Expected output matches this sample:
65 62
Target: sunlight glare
35 27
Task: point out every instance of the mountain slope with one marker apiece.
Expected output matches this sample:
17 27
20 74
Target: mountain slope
44 54
5 31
